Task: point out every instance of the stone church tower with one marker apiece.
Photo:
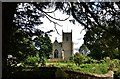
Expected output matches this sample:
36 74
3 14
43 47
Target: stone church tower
67 44
64 49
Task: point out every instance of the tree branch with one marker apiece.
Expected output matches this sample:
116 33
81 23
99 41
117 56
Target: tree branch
93 16
85 25
56 29
74 16
54 24
52 21
49 15
51 11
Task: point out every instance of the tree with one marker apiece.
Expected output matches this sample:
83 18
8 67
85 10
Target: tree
19 29
22 45
79 59
8 10
102 44
42 49
102 23
20 42
84 50
43 45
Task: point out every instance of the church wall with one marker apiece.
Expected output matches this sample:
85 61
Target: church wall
59 48
67 46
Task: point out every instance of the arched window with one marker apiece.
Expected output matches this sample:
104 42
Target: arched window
56 53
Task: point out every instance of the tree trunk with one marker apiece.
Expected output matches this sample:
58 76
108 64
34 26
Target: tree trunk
8 10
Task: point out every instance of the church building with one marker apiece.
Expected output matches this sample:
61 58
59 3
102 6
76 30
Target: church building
63 50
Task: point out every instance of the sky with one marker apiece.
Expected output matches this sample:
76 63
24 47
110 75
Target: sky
77 30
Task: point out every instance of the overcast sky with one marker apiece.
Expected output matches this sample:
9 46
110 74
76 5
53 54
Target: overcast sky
66 26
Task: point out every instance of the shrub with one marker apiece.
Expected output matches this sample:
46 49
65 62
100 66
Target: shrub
116 63
31 60
107 60
71 59
79 59
43 61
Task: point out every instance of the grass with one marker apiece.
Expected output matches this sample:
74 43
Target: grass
94 68
101 68
87 68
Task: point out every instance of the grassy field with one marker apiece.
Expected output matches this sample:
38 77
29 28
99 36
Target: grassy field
87 68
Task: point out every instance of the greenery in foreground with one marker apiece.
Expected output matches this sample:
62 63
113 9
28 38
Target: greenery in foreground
86 68
78 63
86 64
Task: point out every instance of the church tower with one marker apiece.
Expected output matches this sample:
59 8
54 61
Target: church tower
67 44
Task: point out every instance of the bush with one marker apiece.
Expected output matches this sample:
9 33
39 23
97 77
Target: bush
107 60
79 59
31 60
43 61
116 63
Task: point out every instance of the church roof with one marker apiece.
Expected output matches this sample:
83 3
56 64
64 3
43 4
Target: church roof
55 41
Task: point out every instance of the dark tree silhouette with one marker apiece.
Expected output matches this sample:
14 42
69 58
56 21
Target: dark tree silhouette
8 10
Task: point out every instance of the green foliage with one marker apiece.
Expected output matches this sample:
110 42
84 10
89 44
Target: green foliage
87 68
21 30
94 68
43 61
35 60
90 65
81 59
113 64
25 50
43 45
32 60
84 50
117 63
21 45
71 59
102 44
107 60
103 40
